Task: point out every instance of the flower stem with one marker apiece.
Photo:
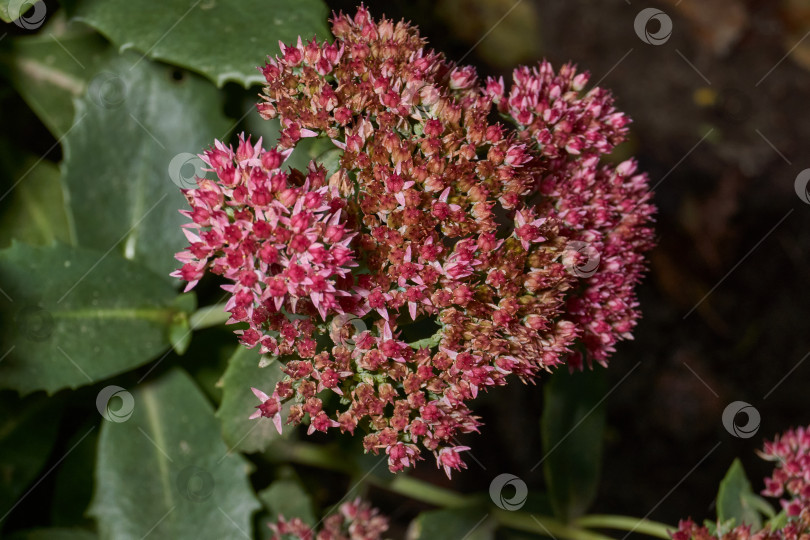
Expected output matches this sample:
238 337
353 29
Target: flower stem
209 316
626 523
321 456
543 525
311 455
421 491
326 458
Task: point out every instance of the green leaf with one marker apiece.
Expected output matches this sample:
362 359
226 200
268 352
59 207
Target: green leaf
455 524
573 425
239 402
27 434
180 334
723 528
225 41
54 533
165 472
128 131
761 505
36 214
53 67
778 521
288 498
736 500
72 316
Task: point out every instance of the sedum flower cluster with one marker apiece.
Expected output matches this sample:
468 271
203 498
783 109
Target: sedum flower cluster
446 251
790 482
354 520
791 478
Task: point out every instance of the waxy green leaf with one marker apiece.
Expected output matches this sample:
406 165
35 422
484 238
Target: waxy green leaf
53 67
737 501
122 169
72 316
165 472
36 212
221 39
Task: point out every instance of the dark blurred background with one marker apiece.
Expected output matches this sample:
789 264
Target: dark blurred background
721 123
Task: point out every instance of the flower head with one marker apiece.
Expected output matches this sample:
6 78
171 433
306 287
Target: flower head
436 218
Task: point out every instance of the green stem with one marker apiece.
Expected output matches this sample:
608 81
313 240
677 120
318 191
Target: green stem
421 491
325 457
312 455
626 523
543 525
209 316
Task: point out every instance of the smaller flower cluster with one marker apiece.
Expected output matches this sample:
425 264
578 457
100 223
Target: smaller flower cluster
790 480
355 520
280 237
